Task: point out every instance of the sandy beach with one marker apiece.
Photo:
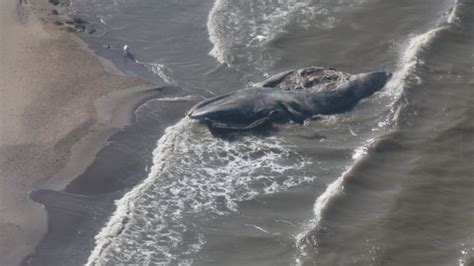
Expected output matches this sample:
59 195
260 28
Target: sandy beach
55 105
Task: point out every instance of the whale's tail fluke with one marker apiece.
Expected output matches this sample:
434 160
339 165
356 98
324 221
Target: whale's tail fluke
366 84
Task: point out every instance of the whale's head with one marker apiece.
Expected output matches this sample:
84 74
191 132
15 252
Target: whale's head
367 84
239 109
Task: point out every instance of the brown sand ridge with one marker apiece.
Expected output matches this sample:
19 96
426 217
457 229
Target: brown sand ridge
48 85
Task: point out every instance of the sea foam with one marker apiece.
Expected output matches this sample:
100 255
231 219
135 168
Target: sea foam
409 60
239 30
194 177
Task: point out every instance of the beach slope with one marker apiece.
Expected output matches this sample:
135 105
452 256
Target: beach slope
49 83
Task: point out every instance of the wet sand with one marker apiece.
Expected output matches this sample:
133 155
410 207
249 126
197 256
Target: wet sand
59 104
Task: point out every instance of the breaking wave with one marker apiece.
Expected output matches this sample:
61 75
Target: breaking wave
240 30
194 177
410 59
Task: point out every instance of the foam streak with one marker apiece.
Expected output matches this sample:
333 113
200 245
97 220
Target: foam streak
410 59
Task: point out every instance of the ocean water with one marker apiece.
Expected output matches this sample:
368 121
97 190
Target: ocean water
389 183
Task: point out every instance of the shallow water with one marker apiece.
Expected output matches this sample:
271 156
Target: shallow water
388 183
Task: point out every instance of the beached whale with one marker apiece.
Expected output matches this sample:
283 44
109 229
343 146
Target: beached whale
289 96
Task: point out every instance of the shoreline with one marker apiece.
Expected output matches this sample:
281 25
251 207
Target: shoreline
114 110
61 103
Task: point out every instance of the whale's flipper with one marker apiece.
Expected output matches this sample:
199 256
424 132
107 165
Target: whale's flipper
256 123
73 221
294 115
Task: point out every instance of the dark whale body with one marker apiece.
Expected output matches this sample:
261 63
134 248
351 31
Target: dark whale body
252 107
